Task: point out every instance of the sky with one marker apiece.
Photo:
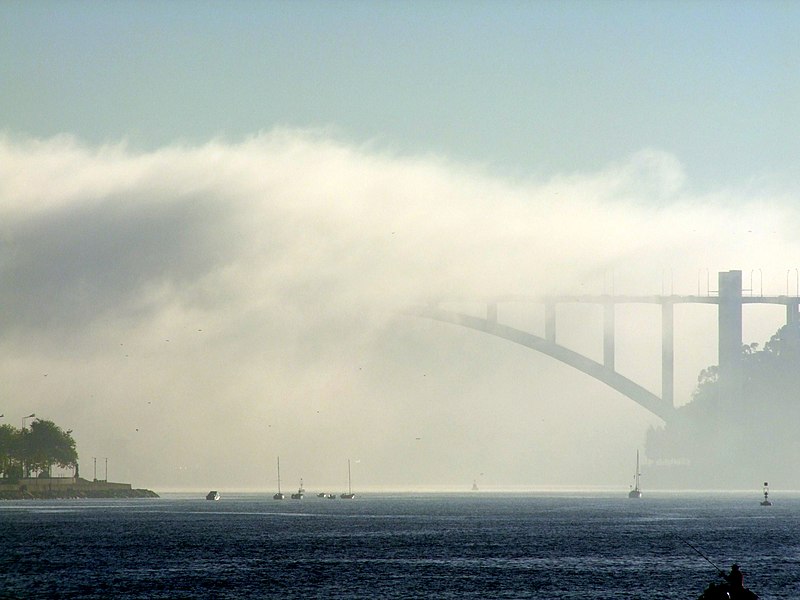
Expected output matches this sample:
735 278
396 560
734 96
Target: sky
213 215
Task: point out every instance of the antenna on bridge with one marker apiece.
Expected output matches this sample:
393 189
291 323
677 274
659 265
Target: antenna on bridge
607 280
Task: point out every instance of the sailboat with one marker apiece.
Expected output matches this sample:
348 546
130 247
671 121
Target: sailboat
279 495
765 501
636 492
349 495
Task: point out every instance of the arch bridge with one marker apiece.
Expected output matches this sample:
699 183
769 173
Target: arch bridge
729 300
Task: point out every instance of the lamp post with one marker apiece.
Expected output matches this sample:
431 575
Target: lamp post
94 458
106 459
24 466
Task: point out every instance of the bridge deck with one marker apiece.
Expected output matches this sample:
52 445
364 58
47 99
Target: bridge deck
628 299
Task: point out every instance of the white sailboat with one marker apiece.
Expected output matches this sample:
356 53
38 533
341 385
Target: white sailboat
636 492
349 495
279 495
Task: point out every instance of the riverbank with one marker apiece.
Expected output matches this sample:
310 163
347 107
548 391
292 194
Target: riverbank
46 488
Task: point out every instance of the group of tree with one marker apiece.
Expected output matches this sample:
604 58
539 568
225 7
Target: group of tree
746 433
35 450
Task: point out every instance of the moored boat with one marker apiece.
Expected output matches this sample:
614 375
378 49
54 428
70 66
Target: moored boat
213 495
349 495
300 492
279 495
636 492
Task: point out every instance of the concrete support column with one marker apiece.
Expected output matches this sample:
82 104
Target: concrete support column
550 321
667 353
608 335
792 315
730 333
491 313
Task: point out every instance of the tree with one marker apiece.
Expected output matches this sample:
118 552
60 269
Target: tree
734 439
9 450
46 445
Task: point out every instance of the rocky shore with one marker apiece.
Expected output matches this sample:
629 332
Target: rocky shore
75 494
55 488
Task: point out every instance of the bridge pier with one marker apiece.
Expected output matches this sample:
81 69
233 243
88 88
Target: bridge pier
730 333
668 353
608 335
491 313
792 314
550 321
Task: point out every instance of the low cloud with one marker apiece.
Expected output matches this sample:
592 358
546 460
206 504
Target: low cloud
194 311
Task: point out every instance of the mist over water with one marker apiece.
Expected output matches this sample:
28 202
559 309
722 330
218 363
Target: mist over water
195 311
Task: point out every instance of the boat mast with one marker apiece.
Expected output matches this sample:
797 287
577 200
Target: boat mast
279 474
349 487
636 476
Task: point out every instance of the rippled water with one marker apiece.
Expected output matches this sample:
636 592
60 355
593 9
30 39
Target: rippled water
397 546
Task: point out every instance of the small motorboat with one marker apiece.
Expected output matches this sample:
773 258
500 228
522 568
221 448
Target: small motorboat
725 591
732 588
300 492
213 495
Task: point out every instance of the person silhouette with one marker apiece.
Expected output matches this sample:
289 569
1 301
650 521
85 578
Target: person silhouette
735 578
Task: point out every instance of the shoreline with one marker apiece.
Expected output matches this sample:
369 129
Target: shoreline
58 488
75 494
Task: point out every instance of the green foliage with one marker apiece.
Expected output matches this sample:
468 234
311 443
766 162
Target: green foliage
47 444
38 448
750 431
9 449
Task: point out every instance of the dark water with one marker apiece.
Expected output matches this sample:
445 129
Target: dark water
397 546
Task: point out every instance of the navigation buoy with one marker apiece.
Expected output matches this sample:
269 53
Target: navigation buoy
765 501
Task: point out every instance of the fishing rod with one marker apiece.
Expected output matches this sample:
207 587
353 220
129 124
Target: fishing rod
708 560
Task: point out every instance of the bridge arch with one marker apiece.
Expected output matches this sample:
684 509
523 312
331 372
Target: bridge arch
728 299
613 379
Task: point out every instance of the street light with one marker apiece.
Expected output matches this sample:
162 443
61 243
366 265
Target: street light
106 479
30 416
94 458
708 281
797 281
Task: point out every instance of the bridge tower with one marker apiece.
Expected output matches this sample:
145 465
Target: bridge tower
730 333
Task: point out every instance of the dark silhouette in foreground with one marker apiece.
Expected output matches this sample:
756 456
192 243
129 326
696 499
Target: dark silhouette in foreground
732 589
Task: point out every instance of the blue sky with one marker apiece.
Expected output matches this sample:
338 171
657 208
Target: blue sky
526 88
212 216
